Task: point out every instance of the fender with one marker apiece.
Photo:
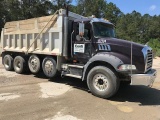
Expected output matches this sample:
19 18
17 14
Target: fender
104 57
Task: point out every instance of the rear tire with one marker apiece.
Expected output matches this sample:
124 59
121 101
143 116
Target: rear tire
8 62
19 64
49 67
102 82
34 64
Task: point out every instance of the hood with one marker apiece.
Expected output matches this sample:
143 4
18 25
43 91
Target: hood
122 49
120 42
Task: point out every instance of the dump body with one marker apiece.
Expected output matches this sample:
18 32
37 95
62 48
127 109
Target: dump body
19 36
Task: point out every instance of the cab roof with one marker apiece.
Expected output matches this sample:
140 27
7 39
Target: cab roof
92 20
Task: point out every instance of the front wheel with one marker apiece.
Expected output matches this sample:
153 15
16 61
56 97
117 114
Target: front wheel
102 82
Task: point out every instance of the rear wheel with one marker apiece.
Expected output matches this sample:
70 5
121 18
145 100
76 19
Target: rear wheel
102 82
34 64
49 67
19 64
8 62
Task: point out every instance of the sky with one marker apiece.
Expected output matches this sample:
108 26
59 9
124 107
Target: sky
151 7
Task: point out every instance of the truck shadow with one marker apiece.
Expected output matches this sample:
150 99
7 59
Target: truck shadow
139 94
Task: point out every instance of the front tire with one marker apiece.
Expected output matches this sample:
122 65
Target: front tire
102 82
8 62
49 67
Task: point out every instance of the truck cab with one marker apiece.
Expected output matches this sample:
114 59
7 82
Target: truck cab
98 53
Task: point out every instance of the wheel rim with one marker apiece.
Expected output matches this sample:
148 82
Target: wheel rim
6 63
18 64
33 63
49 67
100 82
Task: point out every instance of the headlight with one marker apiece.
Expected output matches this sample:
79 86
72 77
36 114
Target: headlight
127 67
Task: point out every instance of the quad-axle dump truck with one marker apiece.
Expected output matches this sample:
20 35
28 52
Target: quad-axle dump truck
79 47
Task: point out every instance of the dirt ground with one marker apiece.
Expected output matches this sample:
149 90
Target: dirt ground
30 97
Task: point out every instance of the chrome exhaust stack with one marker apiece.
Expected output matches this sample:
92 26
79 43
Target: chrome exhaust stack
65 42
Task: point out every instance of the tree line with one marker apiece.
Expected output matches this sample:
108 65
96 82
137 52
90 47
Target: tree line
132 26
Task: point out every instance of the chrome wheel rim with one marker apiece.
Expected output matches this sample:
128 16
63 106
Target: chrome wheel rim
33 63
49 68
100 82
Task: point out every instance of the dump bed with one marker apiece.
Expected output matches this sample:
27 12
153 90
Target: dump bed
19 36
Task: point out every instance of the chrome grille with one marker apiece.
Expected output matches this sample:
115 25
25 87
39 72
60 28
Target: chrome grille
149 60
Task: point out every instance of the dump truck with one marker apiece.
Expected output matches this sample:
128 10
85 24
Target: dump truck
76 46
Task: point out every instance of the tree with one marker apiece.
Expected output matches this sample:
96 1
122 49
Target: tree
12 10
58 4
130 27
155 44
112 12
35 8
91 7
1 14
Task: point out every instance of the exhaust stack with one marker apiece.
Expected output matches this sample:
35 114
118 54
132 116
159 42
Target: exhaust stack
65 42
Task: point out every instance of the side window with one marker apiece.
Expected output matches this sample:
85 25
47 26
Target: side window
77 33
77 29
87 32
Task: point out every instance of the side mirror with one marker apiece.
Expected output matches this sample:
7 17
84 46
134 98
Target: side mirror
81 29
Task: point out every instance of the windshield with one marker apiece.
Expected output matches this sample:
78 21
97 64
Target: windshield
102 30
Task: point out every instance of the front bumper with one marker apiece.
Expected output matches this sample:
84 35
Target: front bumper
146 79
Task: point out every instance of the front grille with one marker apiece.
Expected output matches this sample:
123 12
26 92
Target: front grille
149 60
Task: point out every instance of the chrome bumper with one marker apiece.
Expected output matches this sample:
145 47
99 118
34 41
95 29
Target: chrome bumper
146 79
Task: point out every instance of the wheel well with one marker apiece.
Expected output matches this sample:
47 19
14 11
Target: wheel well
98 63
14 54
41 56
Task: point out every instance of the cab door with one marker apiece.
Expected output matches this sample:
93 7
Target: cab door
82 42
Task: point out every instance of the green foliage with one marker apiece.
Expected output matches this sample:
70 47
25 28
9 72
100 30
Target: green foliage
112 13
12 10
99 8
155 44
139 28
58 4
90 7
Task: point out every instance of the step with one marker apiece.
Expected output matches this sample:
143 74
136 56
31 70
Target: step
71 75
75 66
